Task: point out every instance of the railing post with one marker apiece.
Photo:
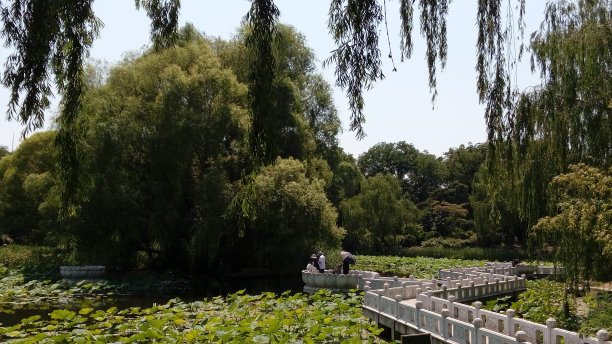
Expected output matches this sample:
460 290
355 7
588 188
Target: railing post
418 306
395 281
398 299
444 326
602 336
478 307
472 292
405 289
459 294
451 301
444 292
550 326
521 337
477 325
510 321
497 285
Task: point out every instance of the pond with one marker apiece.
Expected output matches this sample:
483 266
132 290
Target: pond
11 313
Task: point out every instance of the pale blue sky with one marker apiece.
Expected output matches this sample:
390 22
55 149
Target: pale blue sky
397 108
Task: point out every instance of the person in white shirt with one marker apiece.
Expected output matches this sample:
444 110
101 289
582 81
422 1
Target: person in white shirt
321 262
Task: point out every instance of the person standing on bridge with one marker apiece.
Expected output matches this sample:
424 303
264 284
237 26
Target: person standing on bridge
321 262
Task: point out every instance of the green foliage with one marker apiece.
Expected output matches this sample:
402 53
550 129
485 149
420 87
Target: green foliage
496 215
419 172
29 190
159 136
466 253
419 267
463 162
379 218
164 21
445 242
261 19
4 151
15 255
581 232
346 181
446 220
33 288
544 299
600 313
237 318
290 217
565 120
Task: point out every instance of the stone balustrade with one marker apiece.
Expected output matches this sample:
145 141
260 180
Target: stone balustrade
453 322
334 282
82 272
500 269
426 308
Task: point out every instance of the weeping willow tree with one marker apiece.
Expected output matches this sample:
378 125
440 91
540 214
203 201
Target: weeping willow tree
41 32
581 231
568 118
567 121
51 40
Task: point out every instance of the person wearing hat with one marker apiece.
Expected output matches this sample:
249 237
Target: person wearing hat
313 264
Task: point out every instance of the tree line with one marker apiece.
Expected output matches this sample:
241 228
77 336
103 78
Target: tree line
168 178
202 153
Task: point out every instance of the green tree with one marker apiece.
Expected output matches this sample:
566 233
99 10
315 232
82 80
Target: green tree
565 120
379 218
164 137
346 181
581 231
289 219
495 204
463 162
28 188
4 151
419 172
304 120
443 219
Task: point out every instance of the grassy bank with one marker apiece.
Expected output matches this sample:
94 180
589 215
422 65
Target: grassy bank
18 255
501 254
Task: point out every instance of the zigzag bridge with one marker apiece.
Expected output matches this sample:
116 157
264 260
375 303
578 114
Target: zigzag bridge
409 306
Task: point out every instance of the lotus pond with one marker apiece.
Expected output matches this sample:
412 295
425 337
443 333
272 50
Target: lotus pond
56 312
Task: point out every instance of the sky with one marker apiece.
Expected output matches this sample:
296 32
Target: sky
398 108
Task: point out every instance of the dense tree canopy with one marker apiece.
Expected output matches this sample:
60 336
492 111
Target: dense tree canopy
379 218
29 189
196 143
581 231
419 172
165 149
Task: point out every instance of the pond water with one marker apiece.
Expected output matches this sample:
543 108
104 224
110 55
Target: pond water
9 317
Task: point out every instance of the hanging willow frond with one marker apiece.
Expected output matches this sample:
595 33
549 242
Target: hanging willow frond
164 21
261 20
49 38
354 27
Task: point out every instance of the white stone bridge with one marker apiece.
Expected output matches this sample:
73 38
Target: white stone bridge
409 306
